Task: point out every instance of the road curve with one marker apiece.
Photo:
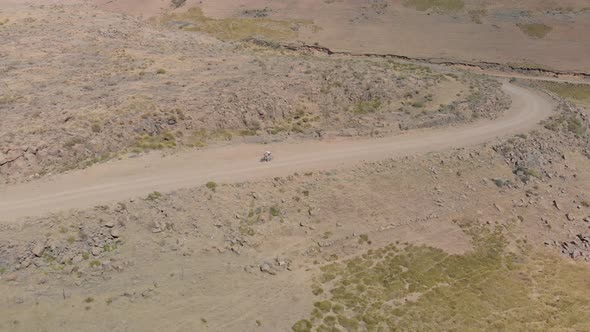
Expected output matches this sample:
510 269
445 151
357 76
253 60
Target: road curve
134 177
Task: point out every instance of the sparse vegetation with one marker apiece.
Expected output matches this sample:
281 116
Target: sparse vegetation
154 196
156 142
211 185
109 247
96 127
238 28
566 123
302 326
364 238
201 137
579 93
367 106
385 289
275 211
477 14
535 30
437 5
526 173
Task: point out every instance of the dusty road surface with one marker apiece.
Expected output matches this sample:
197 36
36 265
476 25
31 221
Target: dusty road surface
136 177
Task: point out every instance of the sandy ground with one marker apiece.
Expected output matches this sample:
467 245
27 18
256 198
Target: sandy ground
139 176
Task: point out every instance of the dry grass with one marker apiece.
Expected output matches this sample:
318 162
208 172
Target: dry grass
535 30
487 289
239 28
579 93
156 142
438 5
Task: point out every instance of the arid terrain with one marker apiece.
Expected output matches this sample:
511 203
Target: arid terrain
529 33
431 171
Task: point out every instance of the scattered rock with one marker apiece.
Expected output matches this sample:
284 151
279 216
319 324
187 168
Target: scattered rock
115 233
38 249
267 268
96 251
77 259
10 277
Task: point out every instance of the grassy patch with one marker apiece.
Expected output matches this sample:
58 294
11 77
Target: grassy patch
420 288
9 99
576 92
535 30
154 196
476 15
364 238
528 65
298 123
200 137
302 326
275 211
367 106
438 5
211 185
70 143
566 123
156 142
238 28
109 247
526 173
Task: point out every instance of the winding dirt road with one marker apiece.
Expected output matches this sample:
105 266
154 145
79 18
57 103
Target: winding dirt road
128 178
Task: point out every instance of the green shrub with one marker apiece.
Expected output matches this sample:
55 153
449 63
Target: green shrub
96 128
156 142
275 211
154 196
368 106
302 326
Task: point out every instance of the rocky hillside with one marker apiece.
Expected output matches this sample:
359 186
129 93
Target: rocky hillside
82 86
